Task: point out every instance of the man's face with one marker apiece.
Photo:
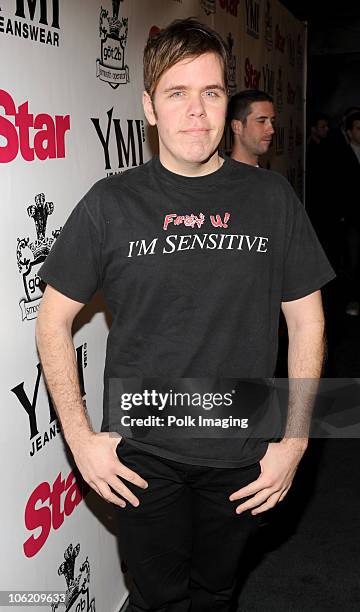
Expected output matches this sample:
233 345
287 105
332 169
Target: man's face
256 135
354 133
189 110
322 128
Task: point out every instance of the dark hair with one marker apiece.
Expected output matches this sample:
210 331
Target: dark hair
240 104
183 38
350 120
350 110
318 116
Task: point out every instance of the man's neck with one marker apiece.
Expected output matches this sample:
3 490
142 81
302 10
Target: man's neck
184 168
242 155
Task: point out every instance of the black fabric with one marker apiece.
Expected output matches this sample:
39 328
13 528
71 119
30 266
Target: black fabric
190 556
203 301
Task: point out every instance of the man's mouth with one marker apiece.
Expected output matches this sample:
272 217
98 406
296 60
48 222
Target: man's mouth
195 131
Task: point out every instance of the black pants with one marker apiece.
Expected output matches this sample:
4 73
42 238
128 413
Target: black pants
184 541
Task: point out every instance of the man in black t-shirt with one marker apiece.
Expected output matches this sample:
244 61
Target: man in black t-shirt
195 255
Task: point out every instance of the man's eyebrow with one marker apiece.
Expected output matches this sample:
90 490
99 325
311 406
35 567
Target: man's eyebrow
265 117
185 87
215 86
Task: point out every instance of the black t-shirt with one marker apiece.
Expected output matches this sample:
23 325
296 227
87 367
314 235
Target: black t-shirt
193 271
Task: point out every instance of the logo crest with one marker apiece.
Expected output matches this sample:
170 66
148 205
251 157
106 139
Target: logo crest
113 31
77 596
232 87
30 255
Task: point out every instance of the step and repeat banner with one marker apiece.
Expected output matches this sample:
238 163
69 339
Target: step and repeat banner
70 114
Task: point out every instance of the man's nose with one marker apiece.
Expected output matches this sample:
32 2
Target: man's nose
196 106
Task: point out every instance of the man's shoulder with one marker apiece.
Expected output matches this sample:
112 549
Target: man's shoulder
116 183
271 179
106 195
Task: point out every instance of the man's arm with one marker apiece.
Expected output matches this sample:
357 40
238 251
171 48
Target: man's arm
306 331
94 453
305 322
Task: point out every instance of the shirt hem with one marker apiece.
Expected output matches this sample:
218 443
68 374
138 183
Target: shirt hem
215 463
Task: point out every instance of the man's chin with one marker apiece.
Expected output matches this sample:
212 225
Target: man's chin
262 151
199 157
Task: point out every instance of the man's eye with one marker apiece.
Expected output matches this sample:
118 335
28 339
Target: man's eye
211 94
176 94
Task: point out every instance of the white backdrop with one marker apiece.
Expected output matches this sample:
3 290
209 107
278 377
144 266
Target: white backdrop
71 71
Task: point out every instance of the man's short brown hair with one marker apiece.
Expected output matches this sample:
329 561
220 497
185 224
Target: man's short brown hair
181 39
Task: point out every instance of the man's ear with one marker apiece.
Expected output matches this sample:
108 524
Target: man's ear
148 108
237 126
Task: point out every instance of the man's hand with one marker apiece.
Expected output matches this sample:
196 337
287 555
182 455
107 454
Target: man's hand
278 467
95 456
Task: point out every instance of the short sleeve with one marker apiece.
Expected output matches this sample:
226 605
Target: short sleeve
306 267
73 266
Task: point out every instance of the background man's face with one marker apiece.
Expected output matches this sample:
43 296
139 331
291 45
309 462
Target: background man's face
354 133
189 110
322 128
256 135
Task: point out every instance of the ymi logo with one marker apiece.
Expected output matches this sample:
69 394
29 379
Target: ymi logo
232 86
209 6
30 256
77 596
29 18
43 423
127 135
268 27
268 79
252 18
113 34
